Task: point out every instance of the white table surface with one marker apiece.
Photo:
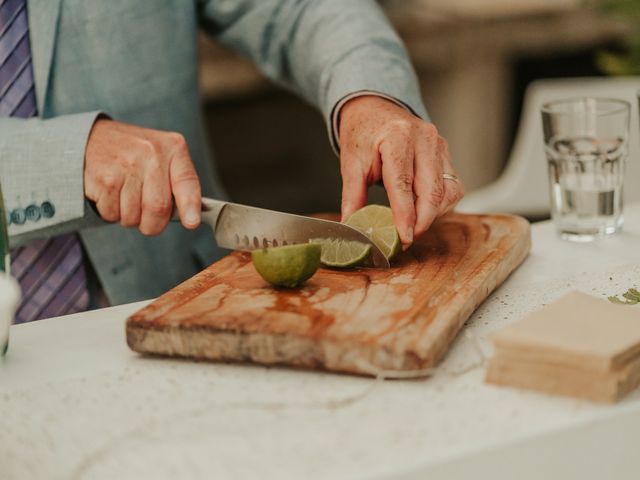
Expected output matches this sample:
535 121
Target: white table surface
76 403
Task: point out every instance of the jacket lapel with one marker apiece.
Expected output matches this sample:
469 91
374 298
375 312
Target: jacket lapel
43 21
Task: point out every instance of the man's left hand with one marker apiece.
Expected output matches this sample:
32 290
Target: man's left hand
382 141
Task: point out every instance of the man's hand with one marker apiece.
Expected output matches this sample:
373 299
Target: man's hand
133 175
382 141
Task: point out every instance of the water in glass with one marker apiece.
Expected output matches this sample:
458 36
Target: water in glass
586 177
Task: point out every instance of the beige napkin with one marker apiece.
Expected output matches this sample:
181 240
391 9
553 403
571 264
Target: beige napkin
579 346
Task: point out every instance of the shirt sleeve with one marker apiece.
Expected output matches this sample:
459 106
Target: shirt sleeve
42 173
325 50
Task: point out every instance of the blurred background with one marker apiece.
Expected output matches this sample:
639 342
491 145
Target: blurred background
474 58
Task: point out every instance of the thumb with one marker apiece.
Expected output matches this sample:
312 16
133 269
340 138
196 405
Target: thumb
186 189
354 188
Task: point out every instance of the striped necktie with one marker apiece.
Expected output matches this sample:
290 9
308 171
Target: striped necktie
51 272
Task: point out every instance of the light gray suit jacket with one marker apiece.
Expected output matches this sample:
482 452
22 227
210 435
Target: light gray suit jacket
137 62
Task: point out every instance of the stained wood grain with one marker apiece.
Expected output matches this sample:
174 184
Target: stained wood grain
352 321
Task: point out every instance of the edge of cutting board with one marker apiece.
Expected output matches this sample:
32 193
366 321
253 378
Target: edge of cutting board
143 336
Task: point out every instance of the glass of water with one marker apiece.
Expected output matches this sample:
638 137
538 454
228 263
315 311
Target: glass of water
586 143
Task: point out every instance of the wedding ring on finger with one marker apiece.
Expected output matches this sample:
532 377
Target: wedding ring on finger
449 176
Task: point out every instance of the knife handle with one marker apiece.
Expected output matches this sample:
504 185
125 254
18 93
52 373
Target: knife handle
211 206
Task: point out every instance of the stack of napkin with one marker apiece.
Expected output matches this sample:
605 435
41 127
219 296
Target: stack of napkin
579 346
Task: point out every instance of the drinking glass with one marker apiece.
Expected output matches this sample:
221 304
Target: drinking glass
586 143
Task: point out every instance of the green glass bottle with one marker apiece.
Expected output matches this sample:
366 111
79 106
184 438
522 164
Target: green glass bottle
4 237
5 321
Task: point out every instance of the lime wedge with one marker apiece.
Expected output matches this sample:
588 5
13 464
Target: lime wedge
376 222
337 252
287 266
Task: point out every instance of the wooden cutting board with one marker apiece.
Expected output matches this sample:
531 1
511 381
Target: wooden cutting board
353 321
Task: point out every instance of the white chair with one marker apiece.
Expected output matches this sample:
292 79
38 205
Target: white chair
523 186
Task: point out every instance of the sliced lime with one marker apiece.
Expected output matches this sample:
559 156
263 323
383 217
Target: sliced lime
287 266
337 252
376 222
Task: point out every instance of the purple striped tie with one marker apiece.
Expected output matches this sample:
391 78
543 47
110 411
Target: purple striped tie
51 272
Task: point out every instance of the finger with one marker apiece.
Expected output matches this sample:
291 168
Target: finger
354 184
157 201
185 185
131 202
398 175
453 189
108 197
429 187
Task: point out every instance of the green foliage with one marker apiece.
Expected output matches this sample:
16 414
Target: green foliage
631 297
624 7
626 62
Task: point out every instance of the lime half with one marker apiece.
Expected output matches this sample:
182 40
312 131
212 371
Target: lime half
287 266
337 252
376 222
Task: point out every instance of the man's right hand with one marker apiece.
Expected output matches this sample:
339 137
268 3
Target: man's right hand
133 174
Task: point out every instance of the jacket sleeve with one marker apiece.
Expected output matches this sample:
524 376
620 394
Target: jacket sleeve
41 173
324 49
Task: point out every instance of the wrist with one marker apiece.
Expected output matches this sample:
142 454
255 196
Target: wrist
363 106
365 102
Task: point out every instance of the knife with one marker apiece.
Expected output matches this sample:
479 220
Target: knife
241 227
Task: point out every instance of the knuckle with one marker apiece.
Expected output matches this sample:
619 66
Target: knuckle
155 162
436 195
131 163
177 140
404 182
184 176
429 129
110 182
130 219
91 189
401 130
400 125
158 208
147 148
109 213
452 195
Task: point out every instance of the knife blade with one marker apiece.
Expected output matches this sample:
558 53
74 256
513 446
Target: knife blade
242 227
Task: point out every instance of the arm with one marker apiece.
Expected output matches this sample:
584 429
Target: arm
131 173
326 50
42 162
343 56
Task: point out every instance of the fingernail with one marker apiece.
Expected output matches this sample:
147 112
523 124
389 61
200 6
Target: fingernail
192 217
409 235
409 239
343 211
